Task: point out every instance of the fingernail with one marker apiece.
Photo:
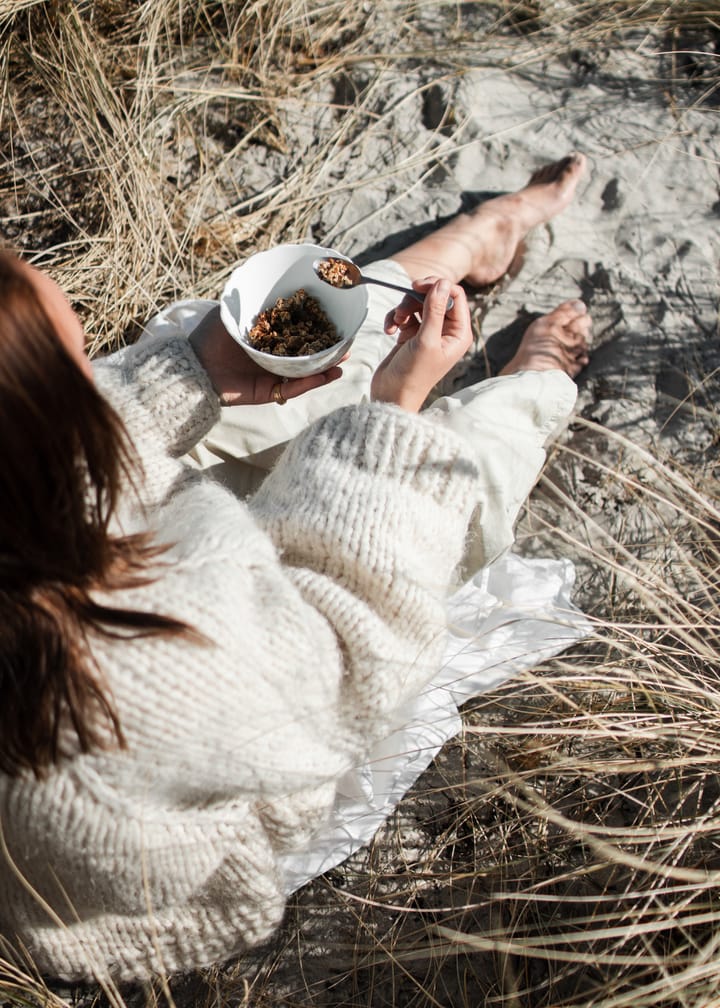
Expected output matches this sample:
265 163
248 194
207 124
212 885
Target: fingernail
443 288
579 306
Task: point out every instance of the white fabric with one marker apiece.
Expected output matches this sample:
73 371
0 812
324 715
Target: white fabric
507 618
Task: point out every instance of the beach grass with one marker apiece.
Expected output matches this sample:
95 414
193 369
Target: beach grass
564 850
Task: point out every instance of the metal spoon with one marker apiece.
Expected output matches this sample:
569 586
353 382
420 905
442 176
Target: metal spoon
350 276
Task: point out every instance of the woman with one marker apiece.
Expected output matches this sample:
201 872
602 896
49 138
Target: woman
185 675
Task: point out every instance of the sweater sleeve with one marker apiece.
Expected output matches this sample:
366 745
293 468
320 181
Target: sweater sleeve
369 510
166 401
320 602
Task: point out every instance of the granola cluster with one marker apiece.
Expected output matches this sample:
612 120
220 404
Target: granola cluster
295 326
335 272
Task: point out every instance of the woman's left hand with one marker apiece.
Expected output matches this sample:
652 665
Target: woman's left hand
237 379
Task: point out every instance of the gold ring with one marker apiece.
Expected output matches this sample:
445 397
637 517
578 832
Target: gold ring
277 393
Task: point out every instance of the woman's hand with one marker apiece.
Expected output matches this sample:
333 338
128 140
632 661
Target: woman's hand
236 378
427 347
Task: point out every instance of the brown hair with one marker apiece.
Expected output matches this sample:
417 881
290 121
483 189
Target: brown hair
64 456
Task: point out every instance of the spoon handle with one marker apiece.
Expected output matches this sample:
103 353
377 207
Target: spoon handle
405 290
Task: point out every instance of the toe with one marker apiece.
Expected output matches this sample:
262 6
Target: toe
581 330
574 164
566 169
581 323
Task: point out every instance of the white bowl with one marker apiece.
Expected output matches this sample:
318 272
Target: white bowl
279 272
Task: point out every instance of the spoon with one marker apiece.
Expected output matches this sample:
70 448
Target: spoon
344 274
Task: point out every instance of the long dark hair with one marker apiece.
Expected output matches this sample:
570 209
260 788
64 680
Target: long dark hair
64 457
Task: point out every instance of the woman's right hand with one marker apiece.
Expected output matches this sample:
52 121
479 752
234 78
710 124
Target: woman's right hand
430 341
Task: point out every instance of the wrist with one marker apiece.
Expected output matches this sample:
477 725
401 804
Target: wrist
404 398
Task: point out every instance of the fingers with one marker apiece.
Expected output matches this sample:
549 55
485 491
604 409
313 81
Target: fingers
404 315
445 327
293 387
270 388
459 313
438 292
409 313
435 307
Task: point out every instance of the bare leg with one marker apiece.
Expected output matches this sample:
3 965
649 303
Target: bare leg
558 340
480 246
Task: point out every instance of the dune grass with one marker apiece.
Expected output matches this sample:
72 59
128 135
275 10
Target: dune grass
564 850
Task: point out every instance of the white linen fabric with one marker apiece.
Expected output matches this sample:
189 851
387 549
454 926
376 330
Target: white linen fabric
508 617
322 604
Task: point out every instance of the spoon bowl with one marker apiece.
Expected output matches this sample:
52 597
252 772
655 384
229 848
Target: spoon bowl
344 274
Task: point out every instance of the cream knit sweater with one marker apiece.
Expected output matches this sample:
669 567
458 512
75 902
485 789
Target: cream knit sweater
322 601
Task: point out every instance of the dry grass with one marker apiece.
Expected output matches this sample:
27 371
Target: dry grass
565 850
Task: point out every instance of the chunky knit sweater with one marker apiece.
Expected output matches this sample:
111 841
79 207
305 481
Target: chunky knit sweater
321 604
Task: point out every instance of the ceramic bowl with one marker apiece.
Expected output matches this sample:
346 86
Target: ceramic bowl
279 272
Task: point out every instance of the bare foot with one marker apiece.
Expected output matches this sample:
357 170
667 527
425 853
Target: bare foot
480 246
506 220
558 340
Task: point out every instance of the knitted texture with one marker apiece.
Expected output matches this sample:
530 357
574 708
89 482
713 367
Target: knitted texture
322 606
